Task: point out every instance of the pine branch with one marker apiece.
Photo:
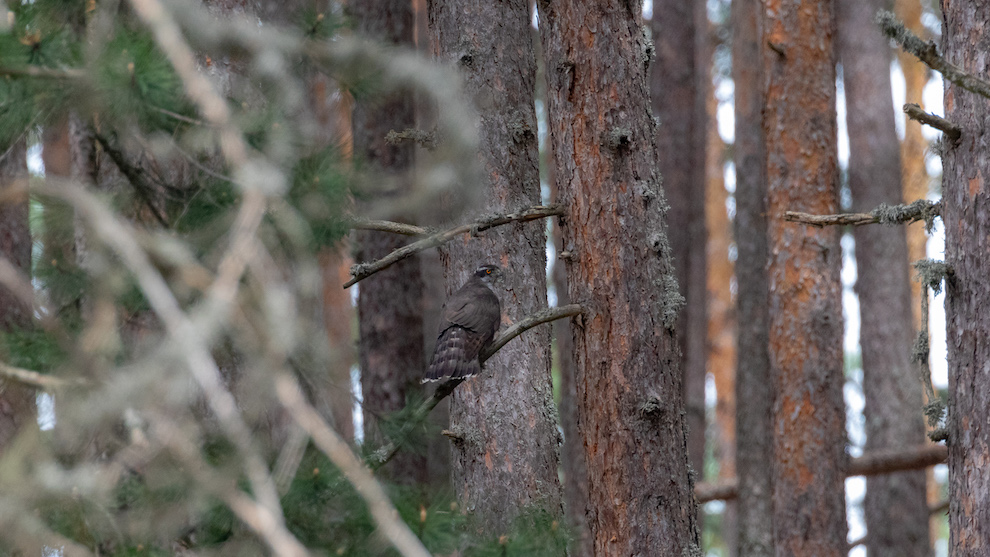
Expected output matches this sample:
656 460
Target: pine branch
383 455
927 52
951 131
365 270
884 214
134 174
873 463
43 72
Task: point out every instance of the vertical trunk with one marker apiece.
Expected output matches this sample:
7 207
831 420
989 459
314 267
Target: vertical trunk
966 212
338 318
753 396
805 304
17 407
678 87
895 506
390 302
506 460
620 268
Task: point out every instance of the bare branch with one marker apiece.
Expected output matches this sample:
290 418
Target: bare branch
37 380
134 174
884 214
383 455
389 226
426 139
873 463
365 270
331 444
43 72
951 131
927 52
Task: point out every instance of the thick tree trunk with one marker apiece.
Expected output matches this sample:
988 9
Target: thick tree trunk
505 460
678 85
390 302
966 212
805 300
895 506
753 397
17 407
619 266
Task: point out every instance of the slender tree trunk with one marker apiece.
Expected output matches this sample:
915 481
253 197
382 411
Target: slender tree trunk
17 406
896 508
505 461
805 297
390 302
628 380
966 213
678 88
753 396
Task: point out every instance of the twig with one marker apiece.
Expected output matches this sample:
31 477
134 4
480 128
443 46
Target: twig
332 445
37 380
383 455
884 214
134 174
427 139
927 52
873 463
951 131
365 270
43 72
389 226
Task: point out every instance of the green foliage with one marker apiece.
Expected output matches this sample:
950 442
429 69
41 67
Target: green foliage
33 349
320 190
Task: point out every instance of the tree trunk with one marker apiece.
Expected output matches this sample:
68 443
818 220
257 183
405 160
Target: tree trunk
753 425
506 459
390 302
895 507
17 406
678 89
805 297
966 212
619 266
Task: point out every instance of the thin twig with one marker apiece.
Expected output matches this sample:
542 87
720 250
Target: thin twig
873 463
383 455
884 214
927 52
389 226
37 380
134 174
43 72
951 131
332 445
365 270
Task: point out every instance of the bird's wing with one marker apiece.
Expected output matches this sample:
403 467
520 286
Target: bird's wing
475 308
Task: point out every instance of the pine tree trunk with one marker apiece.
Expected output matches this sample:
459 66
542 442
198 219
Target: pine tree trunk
17 407
390 302
966 212
678 88
626 357
895 506
505 460
805 298
753 397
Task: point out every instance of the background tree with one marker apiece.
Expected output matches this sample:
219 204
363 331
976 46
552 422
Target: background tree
619 266
805 329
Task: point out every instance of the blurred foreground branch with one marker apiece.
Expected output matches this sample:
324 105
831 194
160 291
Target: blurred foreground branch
921 209
383 455
364 270
873 463
37 380
327 440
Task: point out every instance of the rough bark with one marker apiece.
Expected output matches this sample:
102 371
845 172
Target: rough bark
620 268
754 440
679 83
506 460
17 407
805 305
390 302
895 506
966 213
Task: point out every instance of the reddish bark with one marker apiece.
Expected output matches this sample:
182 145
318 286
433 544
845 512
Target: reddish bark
805 304
619 266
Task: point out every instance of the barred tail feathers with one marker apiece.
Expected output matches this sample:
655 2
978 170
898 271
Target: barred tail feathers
455 356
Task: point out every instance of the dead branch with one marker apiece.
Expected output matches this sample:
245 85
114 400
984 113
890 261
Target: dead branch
383 455
134 174
921 209
951 131
365 270
37 380
927 52
332 445
873 463
389 226
43 72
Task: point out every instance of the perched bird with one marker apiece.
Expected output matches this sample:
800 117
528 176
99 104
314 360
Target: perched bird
467 326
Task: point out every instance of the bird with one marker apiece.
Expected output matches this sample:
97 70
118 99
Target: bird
468 323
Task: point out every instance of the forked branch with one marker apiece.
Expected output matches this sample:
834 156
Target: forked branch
951 131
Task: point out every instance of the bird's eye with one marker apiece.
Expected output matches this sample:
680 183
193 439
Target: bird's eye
488 271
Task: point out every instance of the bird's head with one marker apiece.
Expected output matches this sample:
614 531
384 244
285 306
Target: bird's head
489 273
